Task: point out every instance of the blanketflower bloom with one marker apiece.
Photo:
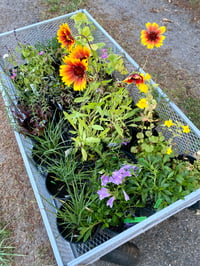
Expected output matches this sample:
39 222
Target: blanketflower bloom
186 129
152 37
64 37
74 72
80 52
134 78
103 193
169 123
169 151
110 202
142 103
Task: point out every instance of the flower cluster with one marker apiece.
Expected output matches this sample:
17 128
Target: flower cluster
118 178
76 63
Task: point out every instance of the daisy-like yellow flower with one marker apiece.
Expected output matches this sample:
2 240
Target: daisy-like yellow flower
80 52
134 78
169 150
152 36
74 72
64 37
146 76
169 123
186 129
143 87
142 103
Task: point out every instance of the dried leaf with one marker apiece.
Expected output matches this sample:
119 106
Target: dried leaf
167 20
154 10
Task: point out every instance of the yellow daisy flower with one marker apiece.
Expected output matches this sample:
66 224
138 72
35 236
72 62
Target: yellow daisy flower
169 123
142 103
143 87
186 129
169 150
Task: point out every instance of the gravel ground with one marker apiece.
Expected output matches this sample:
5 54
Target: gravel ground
174 242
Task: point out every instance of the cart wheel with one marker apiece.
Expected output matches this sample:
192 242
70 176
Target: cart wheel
195 206
127 254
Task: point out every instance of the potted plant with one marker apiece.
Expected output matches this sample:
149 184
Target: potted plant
63 172
75 219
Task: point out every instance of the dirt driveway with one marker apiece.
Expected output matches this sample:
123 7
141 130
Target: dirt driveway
175 66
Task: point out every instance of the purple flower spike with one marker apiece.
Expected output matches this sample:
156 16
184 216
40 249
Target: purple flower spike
110 202
104 180
103 193
126 197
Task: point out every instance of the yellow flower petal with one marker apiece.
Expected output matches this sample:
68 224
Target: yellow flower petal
142 103
186 129
169 123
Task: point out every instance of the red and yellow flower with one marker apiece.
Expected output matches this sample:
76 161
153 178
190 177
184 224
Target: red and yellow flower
134 78
74 71
65 37
152 37
80 52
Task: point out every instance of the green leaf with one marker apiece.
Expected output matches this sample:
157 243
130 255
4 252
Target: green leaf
84 154
86 32
97 127
140 135
92 140
80 18
81 99
157 204
96 46
119 130
135 219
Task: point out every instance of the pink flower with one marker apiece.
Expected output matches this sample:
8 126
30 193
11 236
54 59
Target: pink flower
104 53
13 74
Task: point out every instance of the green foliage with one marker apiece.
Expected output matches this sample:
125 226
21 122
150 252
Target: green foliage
103 120
61 7
77 214
6 247
162 178
50 146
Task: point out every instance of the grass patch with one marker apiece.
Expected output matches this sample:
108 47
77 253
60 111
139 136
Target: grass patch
60 7
6 247
191 107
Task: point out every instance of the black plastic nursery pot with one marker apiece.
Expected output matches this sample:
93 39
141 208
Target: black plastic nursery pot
65 252
55 187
